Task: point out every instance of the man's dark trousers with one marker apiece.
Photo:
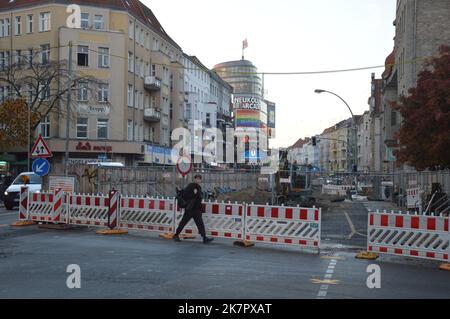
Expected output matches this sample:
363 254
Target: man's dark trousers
197 216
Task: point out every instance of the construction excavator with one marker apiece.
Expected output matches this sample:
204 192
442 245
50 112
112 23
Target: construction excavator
293 183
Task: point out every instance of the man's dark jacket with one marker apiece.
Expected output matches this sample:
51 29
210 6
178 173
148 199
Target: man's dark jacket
194 200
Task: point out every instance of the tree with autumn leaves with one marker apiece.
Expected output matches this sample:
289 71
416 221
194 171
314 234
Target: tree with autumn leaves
14 123
36 87
424 137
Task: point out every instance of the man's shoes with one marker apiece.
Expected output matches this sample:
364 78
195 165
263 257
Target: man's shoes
207 240
176 238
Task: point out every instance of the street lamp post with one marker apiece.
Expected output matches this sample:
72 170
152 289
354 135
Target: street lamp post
353 131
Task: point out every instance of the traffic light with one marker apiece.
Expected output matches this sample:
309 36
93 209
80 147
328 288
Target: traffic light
314 141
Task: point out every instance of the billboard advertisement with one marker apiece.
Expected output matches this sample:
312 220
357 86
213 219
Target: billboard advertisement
271 115
247 102
248 118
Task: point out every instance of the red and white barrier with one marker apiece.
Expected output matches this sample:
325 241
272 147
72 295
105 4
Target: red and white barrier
335 189
89 210
48 207
409 235
113 209
222 220
23 204
144 213
291 226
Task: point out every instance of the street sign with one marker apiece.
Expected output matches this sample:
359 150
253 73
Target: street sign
184 165
41 167
40 149
65 183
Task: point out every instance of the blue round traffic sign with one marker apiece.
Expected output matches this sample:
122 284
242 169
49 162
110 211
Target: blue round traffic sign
41 167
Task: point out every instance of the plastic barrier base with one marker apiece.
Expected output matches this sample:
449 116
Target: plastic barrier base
112 232
445 267
22 223
182 236
244 243
367 255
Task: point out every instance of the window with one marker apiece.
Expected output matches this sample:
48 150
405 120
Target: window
103 57
130 130
153 71
393 118
130 62
208 119
141 100
103 92
44 127
44 22
18 59
131 29
30 23
130 95
2 28
141 37
45 53
3 60
30 93
30 58
82 127
6 28
138 66
147 41
18 26
102 128
153 101
141 68
82 95
98 22
84 20
44 92
83 55
136 101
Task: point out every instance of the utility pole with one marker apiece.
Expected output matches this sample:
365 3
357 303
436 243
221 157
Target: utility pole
69 101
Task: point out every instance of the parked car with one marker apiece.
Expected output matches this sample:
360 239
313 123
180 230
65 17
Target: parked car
11 196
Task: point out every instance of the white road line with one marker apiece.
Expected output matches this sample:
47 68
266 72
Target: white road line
352 227
329 274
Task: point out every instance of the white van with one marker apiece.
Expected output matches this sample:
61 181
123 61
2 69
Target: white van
12 194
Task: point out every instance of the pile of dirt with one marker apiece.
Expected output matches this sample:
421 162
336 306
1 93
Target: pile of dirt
249 195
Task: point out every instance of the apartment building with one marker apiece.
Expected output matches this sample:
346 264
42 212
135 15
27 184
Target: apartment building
138 98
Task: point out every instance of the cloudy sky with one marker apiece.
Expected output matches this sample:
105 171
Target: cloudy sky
291 36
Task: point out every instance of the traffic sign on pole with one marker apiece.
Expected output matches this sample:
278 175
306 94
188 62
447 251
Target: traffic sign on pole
41 167
184 165
40 149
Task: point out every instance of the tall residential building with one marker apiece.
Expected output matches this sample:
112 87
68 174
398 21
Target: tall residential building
421 27
139 68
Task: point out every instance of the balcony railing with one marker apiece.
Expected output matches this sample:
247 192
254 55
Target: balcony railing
152 115
152 83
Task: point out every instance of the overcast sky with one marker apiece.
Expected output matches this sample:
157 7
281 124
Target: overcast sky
291 36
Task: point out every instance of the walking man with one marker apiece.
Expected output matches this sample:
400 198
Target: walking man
193 195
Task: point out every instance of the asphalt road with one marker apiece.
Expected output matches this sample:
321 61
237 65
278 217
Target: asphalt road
33 264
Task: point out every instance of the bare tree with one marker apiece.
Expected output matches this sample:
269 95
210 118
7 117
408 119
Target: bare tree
44 85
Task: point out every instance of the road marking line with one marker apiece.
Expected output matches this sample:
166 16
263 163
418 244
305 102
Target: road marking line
330 271
352 227
322 293
328 276
4 225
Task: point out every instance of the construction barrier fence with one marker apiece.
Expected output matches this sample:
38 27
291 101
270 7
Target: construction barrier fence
408 235
288 226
